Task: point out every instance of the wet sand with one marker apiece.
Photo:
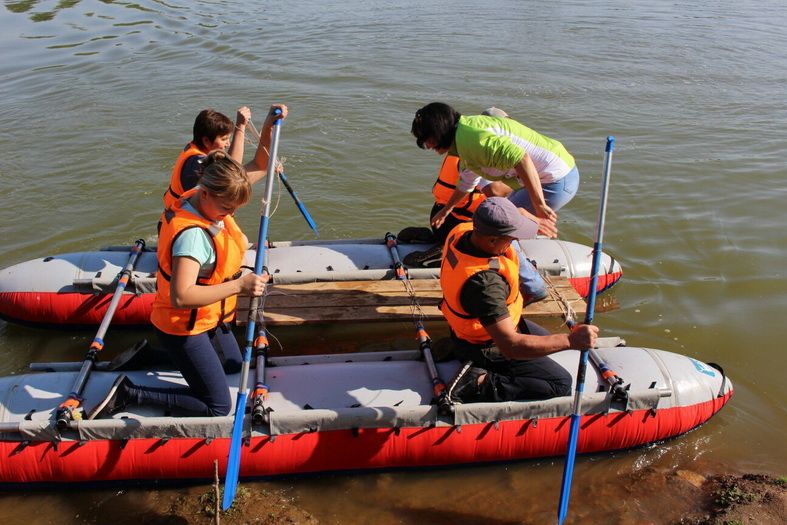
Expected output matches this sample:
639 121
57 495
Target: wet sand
654 496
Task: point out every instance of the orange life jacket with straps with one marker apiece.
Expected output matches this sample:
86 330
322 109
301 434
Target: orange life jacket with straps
228 244
445 185
176 189
457 268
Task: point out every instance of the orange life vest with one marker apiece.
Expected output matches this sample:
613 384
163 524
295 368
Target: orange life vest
229 248
176 189
457 268
445 185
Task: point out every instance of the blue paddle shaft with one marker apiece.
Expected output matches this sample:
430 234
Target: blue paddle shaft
301 206
233 461
576 416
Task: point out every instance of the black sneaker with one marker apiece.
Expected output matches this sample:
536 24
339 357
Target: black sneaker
116 399
416 235
464 387
430 258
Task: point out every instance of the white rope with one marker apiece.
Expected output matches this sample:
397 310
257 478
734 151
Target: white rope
569 314
255 139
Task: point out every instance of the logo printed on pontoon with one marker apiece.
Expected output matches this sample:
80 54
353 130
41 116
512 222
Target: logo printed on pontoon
702 368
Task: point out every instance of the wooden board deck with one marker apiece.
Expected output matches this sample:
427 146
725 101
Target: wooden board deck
376 301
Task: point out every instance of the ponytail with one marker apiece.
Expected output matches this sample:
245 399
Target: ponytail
225 178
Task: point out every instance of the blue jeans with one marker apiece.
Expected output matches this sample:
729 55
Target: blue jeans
531 284
203 360
556 194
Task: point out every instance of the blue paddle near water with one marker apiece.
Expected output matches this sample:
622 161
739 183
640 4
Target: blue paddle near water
299 203
294 194
233 461
576 417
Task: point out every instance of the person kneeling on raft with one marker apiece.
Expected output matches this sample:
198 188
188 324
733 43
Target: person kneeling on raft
200 252
505 355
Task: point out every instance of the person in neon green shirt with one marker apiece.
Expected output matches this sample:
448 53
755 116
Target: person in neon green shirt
540 169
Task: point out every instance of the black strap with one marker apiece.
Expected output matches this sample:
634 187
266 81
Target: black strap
463 316
723 378
192 319
462 212
441 182
167 277
172 192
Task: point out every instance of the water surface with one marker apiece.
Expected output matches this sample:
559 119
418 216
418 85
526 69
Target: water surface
99 96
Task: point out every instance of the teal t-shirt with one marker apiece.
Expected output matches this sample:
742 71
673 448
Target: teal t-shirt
196 244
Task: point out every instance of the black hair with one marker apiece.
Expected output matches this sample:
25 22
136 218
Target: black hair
435 121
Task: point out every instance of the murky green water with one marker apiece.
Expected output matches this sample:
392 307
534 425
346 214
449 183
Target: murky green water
98 97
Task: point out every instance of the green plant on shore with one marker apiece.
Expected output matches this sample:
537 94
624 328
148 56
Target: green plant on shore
726 497
207 501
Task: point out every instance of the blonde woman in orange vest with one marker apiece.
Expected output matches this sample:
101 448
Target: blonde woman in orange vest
505 355
199 254
213 130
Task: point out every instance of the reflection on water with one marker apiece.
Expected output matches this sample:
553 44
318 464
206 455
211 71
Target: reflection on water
99 96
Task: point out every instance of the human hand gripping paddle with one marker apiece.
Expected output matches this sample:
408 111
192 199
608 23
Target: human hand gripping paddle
233 461
68 409
568 469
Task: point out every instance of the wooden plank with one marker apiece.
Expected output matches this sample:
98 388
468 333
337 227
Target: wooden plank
350 287
375 301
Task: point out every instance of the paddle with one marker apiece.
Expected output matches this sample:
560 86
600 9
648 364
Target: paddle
299 203
568 469
618 391
67 411
293 193
233 462
617 388
424 341
260 392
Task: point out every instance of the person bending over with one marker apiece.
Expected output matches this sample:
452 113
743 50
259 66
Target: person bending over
539 169
442 189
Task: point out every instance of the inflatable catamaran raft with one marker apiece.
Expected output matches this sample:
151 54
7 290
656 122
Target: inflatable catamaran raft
356 276
345 412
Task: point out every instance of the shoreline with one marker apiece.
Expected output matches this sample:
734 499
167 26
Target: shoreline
684 497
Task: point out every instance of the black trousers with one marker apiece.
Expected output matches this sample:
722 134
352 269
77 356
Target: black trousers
513 379
203 359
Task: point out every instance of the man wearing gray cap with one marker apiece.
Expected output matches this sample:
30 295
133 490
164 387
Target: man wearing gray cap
506 355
